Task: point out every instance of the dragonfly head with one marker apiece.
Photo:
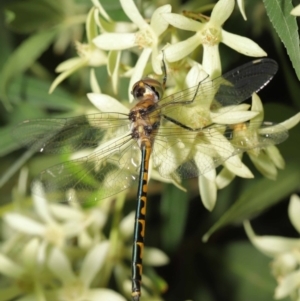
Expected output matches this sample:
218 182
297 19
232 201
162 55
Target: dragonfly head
147 88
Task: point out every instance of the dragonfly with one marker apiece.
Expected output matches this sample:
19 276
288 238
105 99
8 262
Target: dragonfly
162 130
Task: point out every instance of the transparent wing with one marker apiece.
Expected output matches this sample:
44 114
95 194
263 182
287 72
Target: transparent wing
107 171
178 152
230 88
66 135
183 154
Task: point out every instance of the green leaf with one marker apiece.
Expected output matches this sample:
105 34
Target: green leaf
174 206
31 15
279 12
18 163
22 58
7 144
5 48
250 271
34 92
258 197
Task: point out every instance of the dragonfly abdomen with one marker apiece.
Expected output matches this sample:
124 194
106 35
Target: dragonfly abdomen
140 221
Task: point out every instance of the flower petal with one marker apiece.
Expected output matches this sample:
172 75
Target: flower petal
91 24
204 162
65 213
221 11
133 13
294 211
264 165
233 116
9 268
211 60
68 64
40 202
176 182
233 108
97 294
182 22
236 166
155 257
208 191
24 224
115 41
113 67
224 178
29 254
287 285
126 225
181 49
94 82
93 262
106 103
271 245
158 23
72 228
241 6
80 64
224 151
242 45
296 10
195 75
102 11
156 61
257 106
60 266
284 264
291 122
273 152
85 241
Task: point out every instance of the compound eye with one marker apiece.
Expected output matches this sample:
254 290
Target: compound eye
157 92
138 92
155 88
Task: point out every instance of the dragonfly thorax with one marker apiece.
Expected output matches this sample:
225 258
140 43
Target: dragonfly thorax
145 115
145 121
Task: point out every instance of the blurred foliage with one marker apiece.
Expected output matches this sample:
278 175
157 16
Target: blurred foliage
36 35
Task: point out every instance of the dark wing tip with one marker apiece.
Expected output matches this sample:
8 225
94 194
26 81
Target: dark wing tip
267 65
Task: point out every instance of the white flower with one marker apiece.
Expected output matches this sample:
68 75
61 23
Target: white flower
53 229
25 273
266 160
209 182
208 145
209 34
88 55
146 38
79 288
286 254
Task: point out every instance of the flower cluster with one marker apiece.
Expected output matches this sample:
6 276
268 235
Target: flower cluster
59 252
